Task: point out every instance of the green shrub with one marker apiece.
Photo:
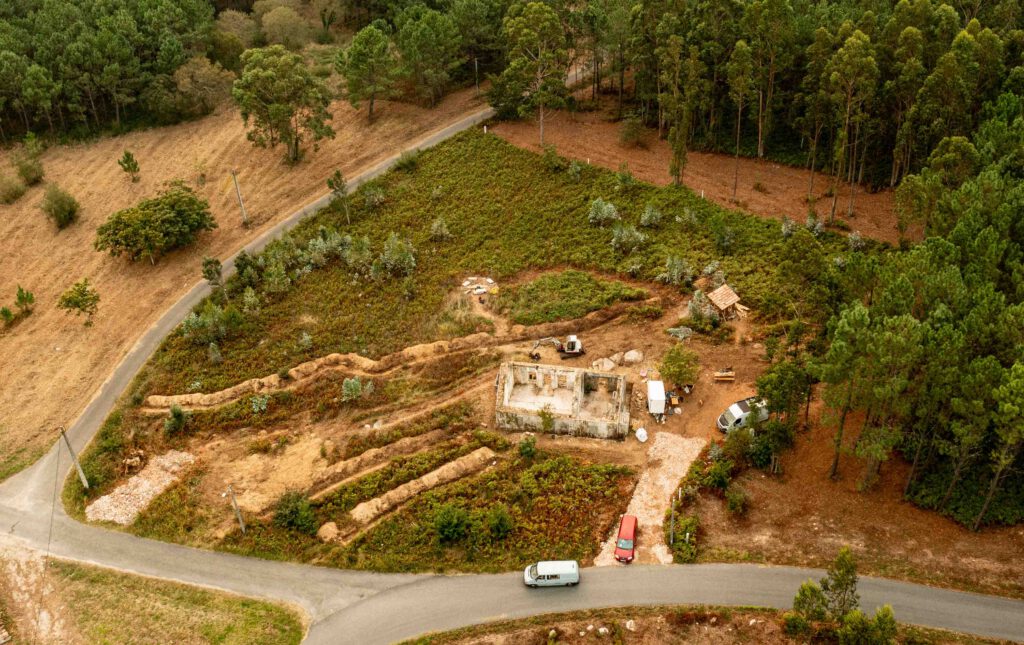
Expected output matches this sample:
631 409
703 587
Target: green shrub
810 601
439 230
631 133
24 300
684 545
795 625
29 168
81 299
59 206
177 421
155 226
295 512
499 522
602 212
680 365
552 160
7 315
451 523
528 447
396 260
651 217
11 189
738 446
719 474
408 160
736 500
626 239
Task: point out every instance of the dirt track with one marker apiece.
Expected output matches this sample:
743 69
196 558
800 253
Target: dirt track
593 136
52 364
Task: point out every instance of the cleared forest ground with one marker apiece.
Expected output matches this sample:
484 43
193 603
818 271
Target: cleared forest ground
52 364
765 188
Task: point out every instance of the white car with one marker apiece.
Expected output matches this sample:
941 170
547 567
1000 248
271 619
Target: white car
742 413
553 573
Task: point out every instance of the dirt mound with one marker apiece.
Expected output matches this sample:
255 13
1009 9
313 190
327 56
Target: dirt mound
55 362
370 510
124 503
354 364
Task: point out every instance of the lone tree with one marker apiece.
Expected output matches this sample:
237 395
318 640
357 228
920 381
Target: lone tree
537 58
155 226
680 365
81 299
129 164
369 68
339 192
213 273
281 100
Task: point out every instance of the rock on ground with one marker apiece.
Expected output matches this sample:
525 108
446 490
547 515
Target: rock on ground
632 357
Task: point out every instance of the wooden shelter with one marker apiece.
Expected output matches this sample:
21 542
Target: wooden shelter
726 302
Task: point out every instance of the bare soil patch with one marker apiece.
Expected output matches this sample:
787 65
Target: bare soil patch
765 188
52 365
803 518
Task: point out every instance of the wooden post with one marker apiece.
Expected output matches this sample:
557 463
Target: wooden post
672 527
238 511
241 204
74 458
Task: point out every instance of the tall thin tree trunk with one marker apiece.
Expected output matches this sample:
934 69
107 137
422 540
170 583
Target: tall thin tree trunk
996 480
736 165
814 158
853 168
760 124
953 481
833 470
541 114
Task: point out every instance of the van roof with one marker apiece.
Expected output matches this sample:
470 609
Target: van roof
628 521
656 390
549 567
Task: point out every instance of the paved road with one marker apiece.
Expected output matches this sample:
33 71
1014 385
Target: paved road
357 607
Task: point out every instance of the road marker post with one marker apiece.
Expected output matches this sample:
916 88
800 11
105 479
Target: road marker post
74 458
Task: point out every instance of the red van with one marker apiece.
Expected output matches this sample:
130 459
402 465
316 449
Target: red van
625 544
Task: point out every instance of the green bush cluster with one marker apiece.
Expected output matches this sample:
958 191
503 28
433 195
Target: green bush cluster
59 206
11 189
24 301
155 226
294 512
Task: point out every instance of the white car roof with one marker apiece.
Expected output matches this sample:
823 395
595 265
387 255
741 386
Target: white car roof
550 567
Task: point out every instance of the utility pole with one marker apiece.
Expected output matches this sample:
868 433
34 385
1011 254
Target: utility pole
234 504
74 458
241 204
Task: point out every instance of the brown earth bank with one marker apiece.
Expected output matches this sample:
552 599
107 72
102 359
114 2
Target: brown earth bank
655 626
803 518
52 365
765 188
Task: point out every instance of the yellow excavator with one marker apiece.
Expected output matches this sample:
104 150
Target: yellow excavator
572 346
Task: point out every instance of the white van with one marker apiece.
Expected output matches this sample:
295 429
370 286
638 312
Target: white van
554 573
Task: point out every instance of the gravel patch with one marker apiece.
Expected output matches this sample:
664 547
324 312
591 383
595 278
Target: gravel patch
125 502
668 459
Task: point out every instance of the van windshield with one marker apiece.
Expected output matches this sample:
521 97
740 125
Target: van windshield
533 572
730 418
625 544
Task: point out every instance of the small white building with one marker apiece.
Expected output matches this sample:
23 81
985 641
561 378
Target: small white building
656 397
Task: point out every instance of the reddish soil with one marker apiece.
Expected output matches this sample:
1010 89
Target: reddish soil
803 518
594 137
52 364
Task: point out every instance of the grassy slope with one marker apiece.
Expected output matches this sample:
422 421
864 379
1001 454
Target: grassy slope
562 296
111 607
508 213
